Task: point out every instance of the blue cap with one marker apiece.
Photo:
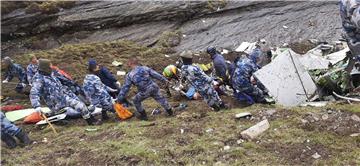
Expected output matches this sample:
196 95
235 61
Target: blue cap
92 64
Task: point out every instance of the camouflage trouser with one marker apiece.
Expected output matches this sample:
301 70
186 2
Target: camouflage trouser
78 106
249 89
210 96
154 92
105 103
7 127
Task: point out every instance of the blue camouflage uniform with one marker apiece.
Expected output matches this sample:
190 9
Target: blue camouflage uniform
56 97
15 70
202 83
31 70
7 127
220 66
241 79
97 93
350 15
69 84
141 77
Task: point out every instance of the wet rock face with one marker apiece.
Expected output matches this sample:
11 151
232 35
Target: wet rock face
202 23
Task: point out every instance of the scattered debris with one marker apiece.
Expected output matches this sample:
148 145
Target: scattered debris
240 141
167 56
227 147
116 63
315 104
121 73
355 135
209 130
346 98
256 130
285 27
316 155
245 115
156 111
91 129
182 131
325 117
246 47
44 140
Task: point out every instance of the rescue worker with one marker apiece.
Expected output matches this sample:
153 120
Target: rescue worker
105 76
32 68
14 70
172 73
97 93
350 16
243 80
68 83
200 81
220 65
55 96
9 131
141 77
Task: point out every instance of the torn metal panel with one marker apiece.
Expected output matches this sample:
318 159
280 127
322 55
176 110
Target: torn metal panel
287 80
246 47
337 56
313 62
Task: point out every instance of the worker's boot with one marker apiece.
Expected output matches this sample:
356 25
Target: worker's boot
215 107
92 121
222 105
9 140
23 137
170 112
142 115
104 115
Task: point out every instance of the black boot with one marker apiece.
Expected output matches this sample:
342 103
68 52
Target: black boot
92 121
23 137
223 106
104 116
142 116
170 112
215 107
9 140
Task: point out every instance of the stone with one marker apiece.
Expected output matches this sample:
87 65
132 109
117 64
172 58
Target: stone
256 130
355 118
316 155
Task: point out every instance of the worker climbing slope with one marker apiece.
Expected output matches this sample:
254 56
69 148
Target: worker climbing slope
141 77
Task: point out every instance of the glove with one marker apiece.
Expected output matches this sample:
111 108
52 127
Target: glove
5 81
118 84
112 90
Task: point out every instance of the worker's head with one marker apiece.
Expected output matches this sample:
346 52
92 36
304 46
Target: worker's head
186 57
170 71
92 66
7 61
33 59
132 62
45 66
211 50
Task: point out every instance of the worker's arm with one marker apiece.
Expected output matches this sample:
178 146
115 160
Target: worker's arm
156 75
124 89
108 74
35 92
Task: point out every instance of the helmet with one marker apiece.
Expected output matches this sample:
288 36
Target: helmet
211 50
169 71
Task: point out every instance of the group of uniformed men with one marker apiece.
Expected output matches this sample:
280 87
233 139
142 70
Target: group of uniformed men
60 92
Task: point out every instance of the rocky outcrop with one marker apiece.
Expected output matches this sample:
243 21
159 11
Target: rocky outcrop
201 23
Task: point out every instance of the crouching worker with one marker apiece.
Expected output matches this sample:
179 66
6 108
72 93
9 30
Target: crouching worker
200 81
141 77
9 131
14 70
243 80
56 97
97 93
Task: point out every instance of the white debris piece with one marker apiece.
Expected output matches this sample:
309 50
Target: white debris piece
312 61
224 51
120 73
315 104
337 56
316 155
243 115
246 47
287 80
256 130
285 27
